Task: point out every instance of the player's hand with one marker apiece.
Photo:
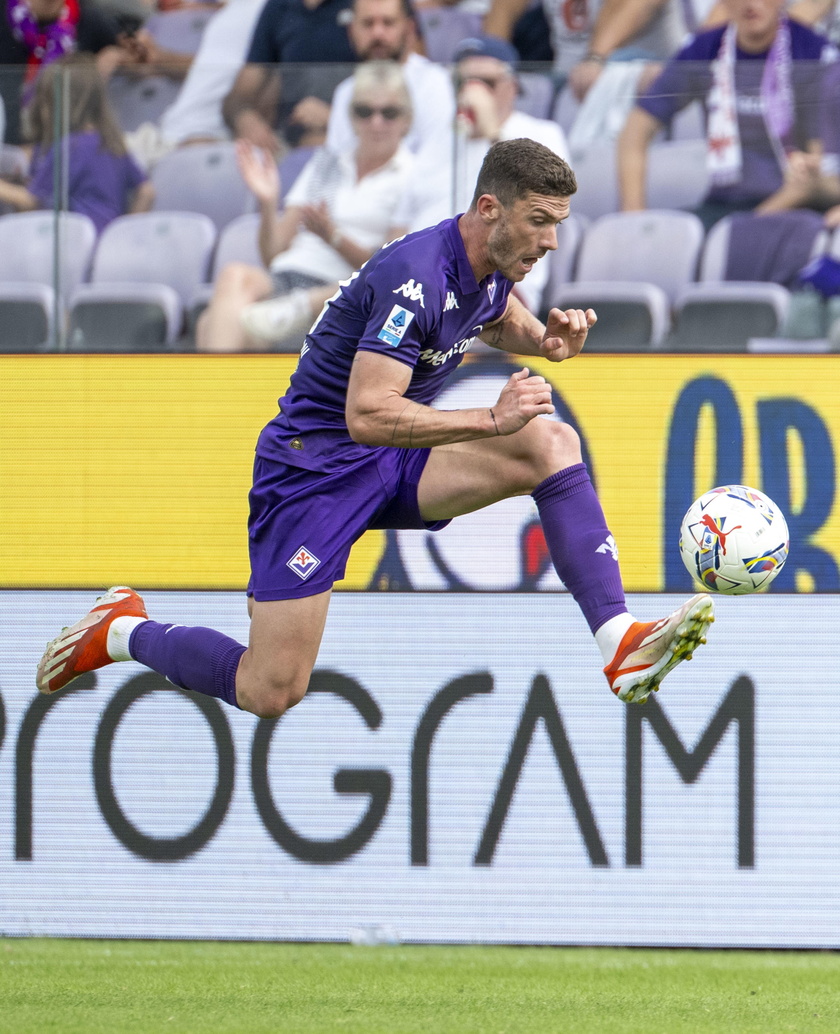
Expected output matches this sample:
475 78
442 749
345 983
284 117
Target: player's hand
525 396
565 333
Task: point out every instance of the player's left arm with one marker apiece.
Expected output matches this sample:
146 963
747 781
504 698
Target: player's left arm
519 331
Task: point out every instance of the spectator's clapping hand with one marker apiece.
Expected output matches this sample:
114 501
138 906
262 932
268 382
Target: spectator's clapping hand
565 333
258 167
478 111
317 219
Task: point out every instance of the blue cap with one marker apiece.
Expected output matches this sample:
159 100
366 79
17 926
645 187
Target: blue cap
487 46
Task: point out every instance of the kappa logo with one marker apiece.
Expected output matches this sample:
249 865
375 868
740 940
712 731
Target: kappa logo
303 563
395 326
451 301
412 291
609 547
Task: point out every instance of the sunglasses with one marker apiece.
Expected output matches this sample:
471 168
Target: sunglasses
390 113
489 83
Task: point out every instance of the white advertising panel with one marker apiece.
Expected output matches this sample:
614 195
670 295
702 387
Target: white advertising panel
459 772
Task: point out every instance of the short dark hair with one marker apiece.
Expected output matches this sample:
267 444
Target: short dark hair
513 169
407 8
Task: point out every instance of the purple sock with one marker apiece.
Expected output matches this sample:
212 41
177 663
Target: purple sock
200 659
582 549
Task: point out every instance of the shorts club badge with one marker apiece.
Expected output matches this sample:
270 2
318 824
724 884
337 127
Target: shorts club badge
303 563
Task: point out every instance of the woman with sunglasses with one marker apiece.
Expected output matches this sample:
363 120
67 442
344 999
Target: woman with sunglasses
338 213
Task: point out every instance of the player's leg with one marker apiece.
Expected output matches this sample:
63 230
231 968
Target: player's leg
544 459
266 678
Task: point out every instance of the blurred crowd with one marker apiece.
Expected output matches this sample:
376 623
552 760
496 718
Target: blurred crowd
354 121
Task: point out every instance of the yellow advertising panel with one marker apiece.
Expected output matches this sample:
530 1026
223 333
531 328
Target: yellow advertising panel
136 469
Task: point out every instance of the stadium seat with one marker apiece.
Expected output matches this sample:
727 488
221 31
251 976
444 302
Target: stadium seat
124 317
202 178
169 250
139 100
565 108
181 29
291 166
769 248
26 316
630 269
597 181
536 94
723 317
677 176
443 28
28 249
632 317
238 242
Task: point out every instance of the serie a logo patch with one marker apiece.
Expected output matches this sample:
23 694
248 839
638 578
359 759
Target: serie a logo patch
303 563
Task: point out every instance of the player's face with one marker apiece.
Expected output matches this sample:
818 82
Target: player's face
380 31
524 232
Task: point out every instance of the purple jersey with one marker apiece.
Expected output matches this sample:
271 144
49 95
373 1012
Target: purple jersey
688 77
416 300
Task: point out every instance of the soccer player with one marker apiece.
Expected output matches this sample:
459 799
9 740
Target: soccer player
357 445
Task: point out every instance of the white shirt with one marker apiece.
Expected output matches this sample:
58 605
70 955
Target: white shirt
432 97
362 209
571 23
197 110
444 188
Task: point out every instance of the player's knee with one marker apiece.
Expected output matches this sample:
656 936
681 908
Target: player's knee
553 446
275 696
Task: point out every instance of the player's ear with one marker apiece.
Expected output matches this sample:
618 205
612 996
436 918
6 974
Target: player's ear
488 207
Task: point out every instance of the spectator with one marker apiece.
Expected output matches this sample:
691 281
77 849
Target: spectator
103 180
308 35
487 88
385 30
586 34
338 213
759 78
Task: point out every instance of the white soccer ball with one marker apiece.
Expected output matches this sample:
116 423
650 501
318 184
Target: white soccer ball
734 540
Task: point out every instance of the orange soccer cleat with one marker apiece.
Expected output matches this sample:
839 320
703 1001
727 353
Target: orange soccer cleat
83 646
650 649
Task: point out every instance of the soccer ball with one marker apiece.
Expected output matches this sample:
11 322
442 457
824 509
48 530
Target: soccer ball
734 540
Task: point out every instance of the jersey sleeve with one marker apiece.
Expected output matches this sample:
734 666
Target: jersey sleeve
404 310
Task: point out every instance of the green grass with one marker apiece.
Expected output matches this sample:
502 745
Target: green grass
128 987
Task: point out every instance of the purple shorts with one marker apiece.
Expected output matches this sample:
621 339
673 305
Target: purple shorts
303 523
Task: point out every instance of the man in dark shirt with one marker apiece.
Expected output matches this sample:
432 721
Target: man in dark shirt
306 34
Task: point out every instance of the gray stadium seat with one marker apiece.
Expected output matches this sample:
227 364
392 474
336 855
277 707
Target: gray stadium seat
677 176
443 28
26 316
630 268
180 30
202 178
536 94
169 250
138 100
632 317
124 317
722 317
28 281
237 242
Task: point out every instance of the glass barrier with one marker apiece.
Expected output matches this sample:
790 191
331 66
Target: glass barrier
693 268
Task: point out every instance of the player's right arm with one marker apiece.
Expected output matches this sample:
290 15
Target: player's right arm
378 413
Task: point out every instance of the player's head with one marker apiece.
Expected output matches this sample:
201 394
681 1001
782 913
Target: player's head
514 168
382 30
522 193
81 93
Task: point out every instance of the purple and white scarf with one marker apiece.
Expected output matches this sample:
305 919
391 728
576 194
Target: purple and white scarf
45 43
724 152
